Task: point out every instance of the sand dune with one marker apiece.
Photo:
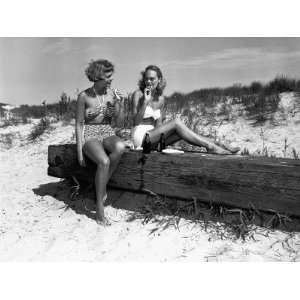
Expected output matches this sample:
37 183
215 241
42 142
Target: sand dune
37 225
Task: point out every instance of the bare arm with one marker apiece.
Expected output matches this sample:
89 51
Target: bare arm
139 108
120 113
119 100
159 121
80 113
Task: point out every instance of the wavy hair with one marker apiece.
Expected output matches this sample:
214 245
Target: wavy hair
97 68
162 83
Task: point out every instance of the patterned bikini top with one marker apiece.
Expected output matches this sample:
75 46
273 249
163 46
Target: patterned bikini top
106 110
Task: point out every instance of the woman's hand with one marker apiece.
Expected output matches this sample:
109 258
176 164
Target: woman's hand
147 95
118 95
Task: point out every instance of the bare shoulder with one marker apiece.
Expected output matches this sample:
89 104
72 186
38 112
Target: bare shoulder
82 96
85 97
137 96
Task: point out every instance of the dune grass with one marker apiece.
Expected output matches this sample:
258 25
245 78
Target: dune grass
39 129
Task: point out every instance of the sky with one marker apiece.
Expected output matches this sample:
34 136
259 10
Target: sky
37 69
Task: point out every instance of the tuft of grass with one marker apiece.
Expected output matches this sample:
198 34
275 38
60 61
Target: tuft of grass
285 147
67 118
39 129
7 139
15 121
163 214
10 122
265 152
245 151
295 154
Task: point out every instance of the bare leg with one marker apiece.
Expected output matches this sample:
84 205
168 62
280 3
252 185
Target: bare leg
228 147
116 147
95 151
173 138
175 130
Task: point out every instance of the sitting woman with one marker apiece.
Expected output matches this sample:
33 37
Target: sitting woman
97 107
148 102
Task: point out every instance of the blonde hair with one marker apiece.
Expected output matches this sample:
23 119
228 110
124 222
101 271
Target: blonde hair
97 68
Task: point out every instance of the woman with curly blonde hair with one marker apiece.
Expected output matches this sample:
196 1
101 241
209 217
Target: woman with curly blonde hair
148 103
97 107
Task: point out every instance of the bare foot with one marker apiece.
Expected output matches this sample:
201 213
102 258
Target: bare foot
100 217
91 206
228 147
233 150
218 150
103 221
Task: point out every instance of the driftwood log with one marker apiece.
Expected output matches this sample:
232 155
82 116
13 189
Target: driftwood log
269 184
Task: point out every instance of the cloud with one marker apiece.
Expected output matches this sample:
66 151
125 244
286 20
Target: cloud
61 46
236 58
73 45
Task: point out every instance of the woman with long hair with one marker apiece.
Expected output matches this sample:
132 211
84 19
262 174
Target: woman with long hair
148 103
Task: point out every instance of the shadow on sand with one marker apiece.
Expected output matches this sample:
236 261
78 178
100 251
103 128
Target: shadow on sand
147 207
62 191
82 200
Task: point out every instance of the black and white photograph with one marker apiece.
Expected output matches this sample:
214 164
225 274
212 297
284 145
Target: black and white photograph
149 150
184 149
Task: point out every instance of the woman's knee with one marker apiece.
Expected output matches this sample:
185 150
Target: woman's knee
120 147
178 123
103 162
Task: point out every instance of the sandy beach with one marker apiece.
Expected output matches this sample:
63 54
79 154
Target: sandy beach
37 225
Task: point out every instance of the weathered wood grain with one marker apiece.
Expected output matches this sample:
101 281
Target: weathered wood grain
241 181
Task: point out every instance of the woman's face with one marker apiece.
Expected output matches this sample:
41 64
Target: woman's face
151 79
106 81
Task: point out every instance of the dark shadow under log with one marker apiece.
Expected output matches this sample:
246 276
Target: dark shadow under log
269 184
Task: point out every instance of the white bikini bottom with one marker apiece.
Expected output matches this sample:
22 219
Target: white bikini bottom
137 134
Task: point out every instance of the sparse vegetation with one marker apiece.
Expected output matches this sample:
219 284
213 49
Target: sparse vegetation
245 151
39 129
259 100
210 221
64 109
220 222
7 140
15 122
204 111
295 154
285 147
